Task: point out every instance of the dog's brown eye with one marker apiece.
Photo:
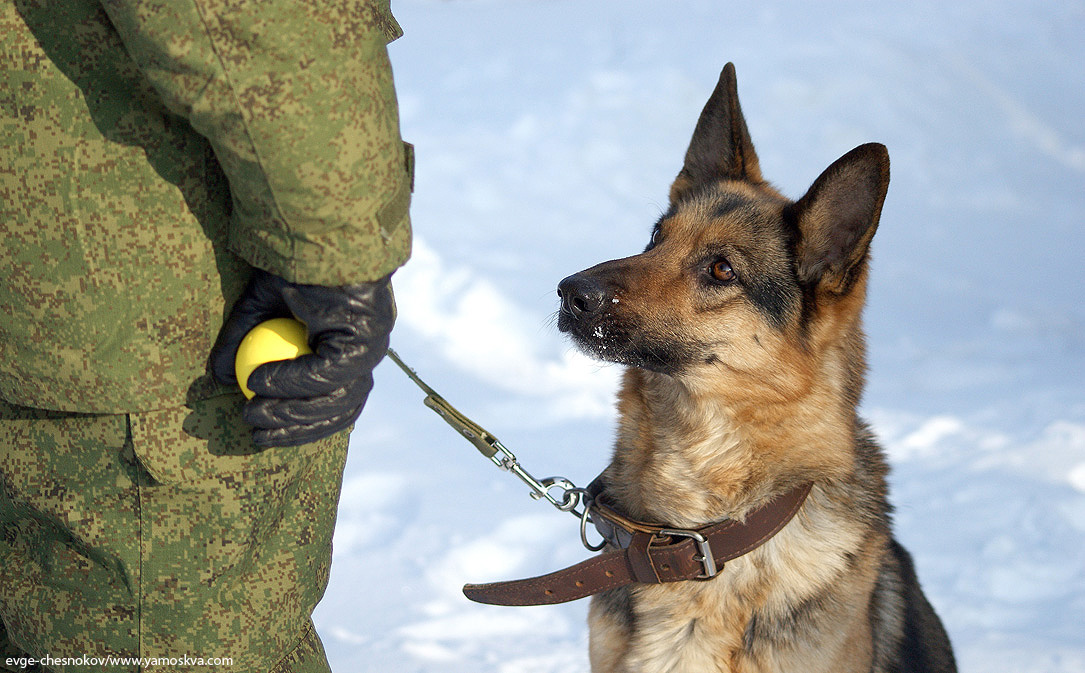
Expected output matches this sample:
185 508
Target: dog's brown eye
721 271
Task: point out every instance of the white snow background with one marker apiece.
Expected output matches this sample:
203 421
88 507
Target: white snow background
547 134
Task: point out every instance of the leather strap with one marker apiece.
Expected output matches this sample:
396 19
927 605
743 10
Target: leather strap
646 553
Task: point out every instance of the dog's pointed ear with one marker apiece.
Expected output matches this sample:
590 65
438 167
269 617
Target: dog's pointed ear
838 216
721 148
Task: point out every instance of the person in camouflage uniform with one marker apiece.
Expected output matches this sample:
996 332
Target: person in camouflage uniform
152 155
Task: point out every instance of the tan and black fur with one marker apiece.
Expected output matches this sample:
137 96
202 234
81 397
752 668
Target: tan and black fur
740 326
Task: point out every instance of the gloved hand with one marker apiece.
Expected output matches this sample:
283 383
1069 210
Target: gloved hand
316 395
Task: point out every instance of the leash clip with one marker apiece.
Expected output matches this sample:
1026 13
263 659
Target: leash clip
491 447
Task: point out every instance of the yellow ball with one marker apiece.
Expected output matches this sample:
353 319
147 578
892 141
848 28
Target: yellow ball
270 341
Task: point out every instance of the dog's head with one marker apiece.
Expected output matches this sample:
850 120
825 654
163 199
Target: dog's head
737 281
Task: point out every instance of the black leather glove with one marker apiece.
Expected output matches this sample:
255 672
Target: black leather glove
316 395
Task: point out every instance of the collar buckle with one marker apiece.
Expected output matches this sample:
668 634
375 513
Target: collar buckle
705 557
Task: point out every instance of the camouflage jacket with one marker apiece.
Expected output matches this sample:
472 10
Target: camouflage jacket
152 150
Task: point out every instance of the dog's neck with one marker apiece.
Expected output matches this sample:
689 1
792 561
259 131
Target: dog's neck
686 458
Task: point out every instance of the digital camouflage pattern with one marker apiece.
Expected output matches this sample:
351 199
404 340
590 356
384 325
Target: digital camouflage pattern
151 151
216 549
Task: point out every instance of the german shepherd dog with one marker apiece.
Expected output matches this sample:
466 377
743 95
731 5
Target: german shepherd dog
740 328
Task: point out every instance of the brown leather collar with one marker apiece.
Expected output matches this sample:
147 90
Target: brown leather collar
646 553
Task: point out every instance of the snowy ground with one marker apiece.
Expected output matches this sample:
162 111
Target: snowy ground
547 133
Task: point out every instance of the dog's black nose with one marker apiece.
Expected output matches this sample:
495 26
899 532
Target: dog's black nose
581 295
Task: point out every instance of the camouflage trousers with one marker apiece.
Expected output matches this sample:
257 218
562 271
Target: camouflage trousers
164 536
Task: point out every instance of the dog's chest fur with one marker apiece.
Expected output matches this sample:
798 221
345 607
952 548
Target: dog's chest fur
686 464
762 614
